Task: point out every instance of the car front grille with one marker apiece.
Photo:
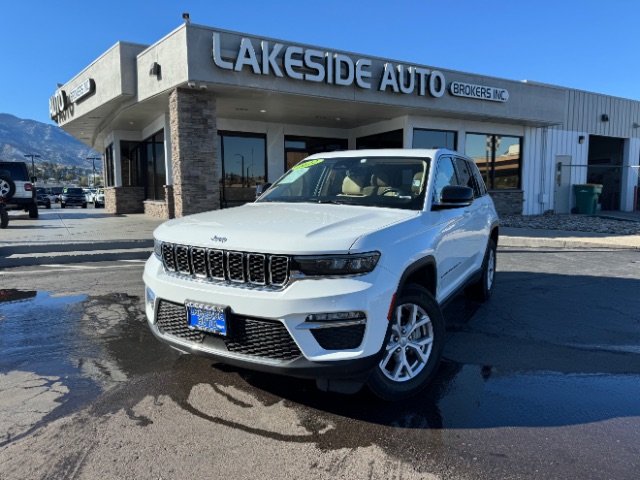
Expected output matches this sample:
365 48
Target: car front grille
213 265
248 336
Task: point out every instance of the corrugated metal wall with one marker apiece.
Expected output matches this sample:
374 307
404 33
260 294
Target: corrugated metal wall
541 146
584 112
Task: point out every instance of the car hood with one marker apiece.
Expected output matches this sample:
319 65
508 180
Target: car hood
281 228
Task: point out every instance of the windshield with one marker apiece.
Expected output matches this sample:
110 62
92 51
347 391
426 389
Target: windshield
392 182
73 191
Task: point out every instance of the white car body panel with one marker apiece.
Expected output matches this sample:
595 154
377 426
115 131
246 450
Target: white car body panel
454 239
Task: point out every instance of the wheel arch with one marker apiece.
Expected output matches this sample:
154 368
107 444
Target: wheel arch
495 232
422 272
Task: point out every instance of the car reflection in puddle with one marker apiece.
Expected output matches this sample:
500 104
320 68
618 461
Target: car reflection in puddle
72 348
101 345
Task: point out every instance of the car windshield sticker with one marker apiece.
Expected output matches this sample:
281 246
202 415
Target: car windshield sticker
292 176
308 164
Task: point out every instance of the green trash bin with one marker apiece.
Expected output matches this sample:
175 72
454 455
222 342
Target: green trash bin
587 197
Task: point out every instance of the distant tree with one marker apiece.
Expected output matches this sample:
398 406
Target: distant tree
69 176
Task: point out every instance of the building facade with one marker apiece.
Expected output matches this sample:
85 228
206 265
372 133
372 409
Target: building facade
197 120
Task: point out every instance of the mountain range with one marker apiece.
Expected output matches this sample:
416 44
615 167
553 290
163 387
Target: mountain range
19 137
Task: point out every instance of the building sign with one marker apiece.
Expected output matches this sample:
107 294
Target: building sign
57 104
81 91
60 105
311 65
480 92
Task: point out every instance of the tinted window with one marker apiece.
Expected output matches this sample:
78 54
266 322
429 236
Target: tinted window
73 191
14 171
445 175
434 139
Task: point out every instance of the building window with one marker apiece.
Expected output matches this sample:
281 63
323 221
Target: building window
499 159
108 160
243 166
434 139
152 150
391 139
132 164
298 148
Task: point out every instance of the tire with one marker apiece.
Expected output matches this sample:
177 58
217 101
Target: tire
403 371
7 188
62 205
84 205
4 217
48 205
483 289
33 210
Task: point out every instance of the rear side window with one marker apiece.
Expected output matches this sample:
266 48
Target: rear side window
445 175
467 177
14 171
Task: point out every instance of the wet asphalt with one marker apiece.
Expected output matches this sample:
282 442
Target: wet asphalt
542 381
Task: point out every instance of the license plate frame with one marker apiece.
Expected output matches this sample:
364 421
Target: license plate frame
207 317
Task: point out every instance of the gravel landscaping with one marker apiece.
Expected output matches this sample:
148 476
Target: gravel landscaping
573 223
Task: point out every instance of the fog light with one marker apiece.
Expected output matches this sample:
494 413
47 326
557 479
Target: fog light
151 298
336 316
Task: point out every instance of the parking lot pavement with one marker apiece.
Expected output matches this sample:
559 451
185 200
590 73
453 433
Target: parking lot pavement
76 226
79 229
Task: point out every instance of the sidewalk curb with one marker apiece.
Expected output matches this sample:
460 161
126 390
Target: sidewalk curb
529 242
71 258
87 246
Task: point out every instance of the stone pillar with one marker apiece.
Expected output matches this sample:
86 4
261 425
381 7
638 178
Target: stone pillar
194 155
168 195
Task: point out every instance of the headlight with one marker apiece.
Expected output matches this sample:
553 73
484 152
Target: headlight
157 248
336 264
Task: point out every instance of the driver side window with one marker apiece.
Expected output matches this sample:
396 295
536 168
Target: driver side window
445 175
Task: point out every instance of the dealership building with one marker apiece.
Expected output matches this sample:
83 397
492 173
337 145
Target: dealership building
197 120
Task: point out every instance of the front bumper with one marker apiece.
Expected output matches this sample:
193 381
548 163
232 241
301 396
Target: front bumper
74 201
286 309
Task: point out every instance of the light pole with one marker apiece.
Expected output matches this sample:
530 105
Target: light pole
93 159
33 165
241 169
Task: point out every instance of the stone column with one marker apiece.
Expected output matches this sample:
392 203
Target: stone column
171 208
194 155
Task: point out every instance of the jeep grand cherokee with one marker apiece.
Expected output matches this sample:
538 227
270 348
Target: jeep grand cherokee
337 272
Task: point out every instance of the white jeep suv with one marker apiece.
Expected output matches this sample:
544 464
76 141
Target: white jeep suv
337 272
16 187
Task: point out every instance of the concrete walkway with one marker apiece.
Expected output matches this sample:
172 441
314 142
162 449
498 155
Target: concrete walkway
93 229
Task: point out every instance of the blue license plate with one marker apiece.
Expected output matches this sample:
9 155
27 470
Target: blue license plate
207 317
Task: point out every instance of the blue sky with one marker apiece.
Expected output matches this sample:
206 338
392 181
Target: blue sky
585 44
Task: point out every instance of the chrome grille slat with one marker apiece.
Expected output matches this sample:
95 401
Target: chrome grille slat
168 257
278 270
199 262
256 268
183 265
253 270
215 259
235 267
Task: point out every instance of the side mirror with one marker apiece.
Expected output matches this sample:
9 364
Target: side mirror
260 189
454 196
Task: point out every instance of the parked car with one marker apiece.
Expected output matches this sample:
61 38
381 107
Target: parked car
88 194
16 187
338 272
73 197
98 199
55 192
42 197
